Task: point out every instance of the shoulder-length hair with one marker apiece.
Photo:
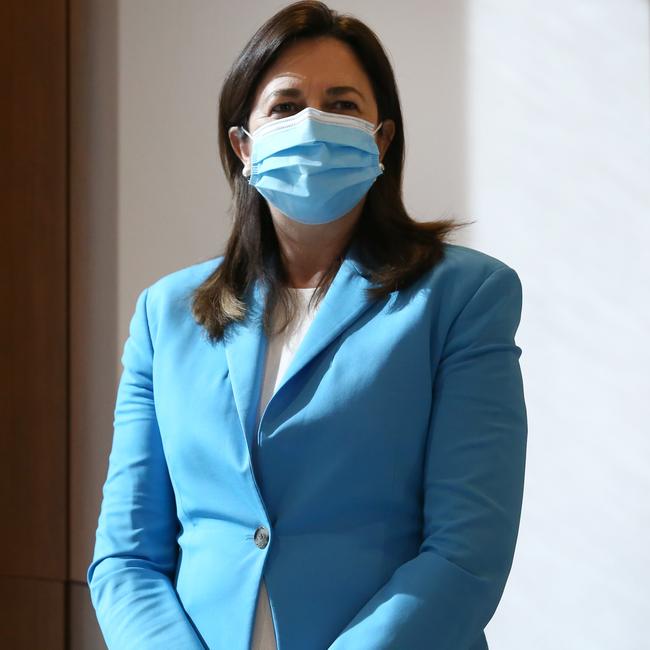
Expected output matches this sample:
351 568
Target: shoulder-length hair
393 248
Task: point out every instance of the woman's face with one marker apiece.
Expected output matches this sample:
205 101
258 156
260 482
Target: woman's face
321 73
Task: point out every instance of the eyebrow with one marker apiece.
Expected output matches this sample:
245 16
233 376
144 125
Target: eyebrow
334 91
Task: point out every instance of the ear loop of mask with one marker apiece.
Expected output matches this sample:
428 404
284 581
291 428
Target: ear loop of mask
246 170
381 164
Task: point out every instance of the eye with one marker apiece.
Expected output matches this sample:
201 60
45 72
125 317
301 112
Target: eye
284 107
346 104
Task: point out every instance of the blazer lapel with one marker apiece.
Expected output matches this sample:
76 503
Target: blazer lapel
246 344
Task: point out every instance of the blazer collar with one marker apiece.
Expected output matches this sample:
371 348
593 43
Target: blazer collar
246 343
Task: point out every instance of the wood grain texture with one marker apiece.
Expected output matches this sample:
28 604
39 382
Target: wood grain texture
34 323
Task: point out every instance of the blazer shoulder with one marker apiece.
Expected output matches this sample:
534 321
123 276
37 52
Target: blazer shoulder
466 267
471 282
464 259
459 275
184 279
169 296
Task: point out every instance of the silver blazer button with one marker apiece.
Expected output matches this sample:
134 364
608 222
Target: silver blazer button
261 536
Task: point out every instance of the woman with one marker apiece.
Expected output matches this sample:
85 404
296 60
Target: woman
363 489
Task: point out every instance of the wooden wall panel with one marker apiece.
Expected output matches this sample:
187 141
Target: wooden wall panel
33 615
33 323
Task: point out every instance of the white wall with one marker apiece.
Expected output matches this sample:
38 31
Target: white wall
533 119
559 178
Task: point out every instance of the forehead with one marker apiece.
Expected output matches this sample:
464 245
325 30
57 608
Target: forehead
314 63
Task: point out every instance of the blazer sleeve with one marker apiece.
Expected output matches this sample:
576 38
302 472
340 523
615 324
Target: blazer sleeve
474 468
135 554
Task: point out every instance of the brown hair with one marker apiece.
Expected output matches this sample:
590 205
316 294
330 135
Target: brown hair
394 249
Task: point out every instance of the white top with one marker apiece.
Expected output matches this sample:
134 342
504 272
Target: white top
281 350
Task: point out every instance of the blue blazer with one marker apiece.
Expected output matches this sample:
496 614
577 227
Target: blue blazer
379 498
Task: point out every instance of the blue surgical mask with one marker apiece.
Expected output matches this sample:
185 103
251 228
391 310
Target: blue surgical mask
314 166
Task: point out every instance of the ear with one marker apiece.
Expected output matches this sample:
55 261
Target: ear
385 137
240 144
